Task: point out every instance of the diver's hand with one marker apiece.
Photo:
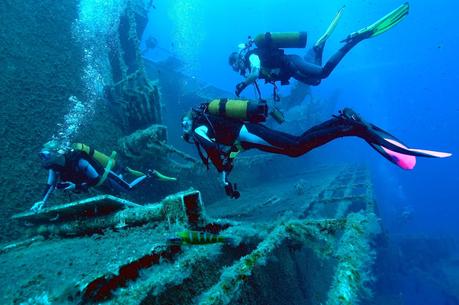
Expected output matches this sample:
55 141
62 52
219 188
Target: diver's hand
232 191
37 206
239 88
229 189
71 186
66 186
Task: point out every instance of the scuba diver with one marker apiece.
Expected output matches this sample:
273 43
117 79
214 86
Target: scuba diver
223 128
267 61
80 167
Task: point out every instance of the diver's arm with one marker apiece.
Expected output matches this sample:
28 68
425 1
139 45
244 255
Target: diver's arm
90 174
211 148
50 187
221 160
255 66
51 184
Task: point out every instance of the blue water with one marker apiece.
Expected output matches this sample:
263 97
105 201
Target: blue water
405 81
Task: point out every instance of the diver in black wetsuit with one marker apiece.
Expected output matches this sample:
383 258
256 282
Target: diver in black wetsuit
222 138
269 62
80 167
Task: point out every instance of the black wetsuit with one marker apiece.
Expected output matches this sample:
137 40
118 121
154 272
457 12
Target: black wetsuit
84 172
218 136
277 66
87 172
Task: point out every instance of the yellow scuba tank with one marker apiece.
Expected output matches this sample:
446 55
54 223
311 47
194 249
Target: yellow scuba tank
281 40
239 109
107 162
102 158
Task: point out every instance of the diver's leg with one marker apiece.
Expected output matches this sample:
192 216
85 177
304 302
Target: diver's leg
263 138
117 182
337 57
304 71
308 72
91 174
269 140
314 55
382 25
348 123
334 128
136 181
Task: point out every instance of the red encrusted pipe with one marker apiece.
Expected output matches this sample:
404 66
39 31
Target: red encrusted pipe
102 288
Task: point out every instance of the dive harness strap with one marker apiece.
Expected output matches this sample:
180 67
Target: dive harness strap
221 107
107 169
221 111
258 90
204 159
232 155
276 96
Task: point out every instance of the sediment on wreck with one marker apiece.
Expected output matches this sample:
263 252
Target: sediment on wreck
319 250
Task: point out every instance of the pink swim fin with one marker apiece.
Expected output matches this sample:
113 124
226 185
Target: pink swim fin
406 161
387 145
422 152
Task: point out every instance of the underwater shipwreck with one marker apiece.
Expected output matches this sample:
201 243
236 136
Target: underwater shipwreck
106 249
302 238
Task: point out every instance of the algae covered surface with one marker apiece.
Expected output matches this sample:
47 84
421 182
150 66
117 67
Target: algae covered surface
119 266
41 68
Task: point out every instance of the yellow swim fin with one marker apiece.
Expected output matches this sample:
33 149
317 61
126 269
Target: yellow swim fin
134 172
382 25
330 28
163 177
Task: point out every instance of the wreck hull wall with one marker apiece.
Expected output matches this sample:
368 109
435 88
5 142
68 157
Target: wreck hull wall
41 68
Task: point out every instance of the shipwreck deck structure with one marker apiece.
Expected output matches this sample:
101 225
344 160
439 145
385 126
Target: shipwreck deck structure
302 240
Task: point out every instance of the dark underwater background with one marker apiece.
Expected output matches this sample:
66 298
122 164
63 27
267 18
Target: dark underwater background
405 80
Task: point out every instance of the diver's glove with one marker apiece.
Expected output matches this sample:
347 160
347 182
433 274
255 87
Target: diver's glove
66 186
231 191
240 87
37 206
